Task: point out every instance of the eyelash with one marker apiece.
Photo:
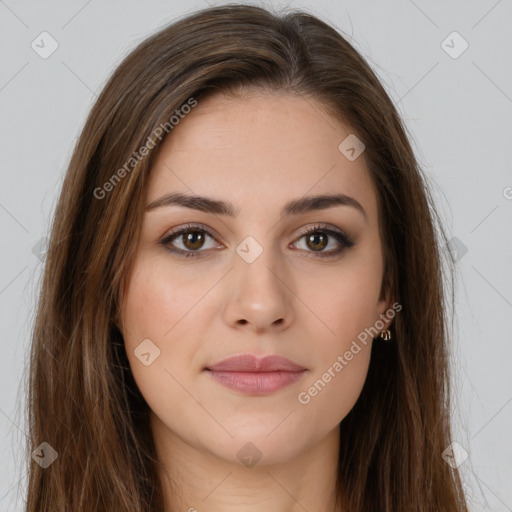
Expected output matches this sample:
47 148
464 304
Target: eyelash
340 236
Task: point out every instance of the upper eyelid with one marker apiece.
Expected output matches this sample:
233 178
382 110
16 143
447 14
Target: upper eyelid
190 227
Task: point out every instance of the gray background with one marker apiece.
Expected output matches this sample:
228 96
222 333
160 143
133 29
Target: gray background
459 115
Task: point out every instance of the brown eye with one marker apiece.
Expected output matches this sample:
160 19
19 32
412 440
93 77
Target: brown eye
193 240
317 238
189 241
317 241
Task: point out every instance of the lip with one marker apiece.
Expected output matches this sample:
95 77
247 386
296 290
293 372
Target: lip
256 375
251 363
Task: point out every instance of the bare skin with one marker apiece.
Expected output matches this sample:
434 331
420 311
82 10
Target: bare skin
257 152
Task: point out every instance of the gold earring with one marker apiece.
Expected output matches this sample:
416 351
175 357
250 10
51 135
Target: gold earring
385 335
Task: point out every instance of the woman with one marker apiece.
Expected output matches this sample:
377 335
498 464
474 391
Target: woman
242 304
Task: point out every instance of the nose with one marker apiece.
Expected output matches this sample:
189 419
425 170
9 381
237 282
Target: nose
258 296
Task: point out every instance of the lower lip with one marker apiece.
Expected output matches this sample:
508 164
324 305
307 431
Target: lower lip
256 383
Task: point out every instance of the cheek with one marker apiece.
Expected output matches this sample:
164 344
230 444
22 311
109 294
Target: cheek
157 310
158 298
341 360
345 301
332 391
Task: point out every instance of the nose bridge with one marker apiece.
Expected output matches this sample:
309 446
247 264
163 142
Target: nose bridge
256 266
258 294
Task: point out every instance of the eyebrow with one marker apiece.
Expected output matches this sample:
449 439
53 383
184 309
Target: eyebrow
295 207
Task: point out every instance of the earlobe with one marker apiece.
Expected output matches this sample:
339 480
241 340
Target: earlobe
387 316
388 312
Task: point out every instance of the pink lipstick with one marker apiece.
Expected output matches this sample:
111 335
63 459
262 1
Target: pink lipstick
256 375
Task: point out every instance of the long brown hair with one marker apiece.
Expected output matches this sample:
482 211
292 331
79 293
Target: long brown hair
83 400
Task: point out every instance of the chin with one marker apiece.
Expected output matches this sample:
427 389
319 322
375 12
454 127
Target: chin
251 446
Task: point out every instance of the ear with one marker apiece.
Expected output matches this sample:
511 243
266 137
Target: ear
387 306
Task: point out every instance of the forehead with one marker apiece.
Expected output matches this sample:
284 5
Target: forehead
259 148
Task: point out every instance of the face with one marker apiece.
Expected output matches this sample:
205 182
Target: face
266 278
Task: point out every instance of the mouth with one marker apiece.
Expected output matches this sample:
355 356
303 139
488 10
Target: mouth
256 375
